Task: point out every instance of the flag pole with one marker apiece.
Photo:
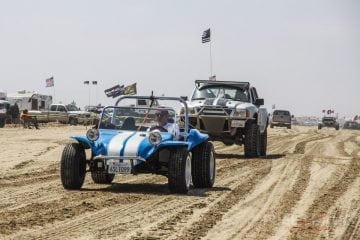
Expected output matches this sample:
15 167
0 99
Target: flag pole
53 85
210 61
54 94
89 94
96 95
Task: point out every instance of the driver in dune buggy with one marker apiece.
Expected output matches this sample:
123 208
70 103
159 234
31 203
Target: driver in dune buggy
165 123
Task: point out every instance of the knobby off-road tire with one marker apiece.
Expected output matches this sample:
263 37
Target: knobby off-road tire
73 121
179 176
73 166
263 143
203 165
2 122
252 140
102 177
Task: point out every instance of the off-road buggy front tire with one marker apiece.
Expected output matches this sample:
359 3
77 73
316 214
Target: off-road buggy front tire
203 165
179 175
73 166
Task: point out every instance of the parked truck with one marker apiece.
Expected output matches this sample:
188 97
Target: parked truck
68 114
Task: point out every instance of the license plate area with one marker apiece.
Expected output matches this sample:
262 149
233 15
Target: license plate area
237 123
115 166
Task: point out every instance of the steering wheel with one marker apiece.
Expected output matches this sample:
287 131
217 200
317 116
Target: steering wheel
160 128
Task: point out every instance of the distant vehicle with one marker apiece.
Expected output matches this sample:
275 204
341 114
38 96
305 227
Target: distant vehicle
126 143
68 114
94 109
230 112
281 118
329 122
4 108
351 125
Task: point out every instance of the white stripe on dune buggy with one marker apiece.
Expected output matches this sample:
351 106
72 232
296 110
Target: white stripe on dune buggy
132 145
117 142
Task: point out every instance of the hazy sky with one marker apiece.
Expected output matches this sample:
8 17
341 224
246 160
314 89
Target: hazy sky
301 55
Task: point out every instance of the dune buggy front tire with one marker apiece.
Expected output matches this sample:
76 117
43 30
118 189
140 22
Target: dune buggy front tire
73 166
203 165
179 175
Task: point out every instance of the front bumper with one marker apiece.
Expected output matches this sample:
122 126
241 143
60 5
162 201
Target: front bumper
103 163
216 124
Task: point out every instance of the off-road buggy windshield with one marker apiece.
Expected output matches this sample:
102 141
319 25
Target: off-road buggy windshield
132 118
216 91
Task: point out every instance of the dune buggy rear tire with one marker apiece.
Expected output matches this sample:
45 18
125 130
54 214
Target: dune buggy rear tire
102 177
73 166
203 165
179 175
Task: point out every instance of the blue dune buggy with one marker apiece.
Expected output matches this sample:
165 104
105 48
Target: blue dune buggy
127 141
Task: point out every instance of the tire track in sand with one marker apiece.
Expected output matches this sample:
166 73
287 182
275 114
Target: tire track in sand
309 227
276 203
211 217
207 220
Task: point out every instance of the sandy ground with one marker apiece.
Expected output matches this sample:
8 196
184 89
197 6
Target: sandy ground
308 187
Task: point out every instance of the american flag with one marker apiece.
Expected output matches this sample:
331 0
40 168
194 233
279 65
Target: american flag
206 36
49 82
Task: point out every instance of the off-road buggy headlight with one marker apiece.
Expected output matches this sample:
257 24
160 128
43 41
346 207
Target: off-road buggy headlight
155 138
92 134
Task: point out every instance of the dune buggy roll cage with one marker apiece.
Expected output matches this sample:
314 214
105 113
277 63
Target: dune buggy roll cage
153 98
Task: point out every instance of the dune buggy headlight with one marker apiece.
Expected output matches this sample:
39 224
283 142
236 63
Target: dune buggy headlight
155 138
92 134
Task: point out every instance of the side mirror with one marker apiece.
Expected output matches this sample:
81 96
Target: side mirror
259 101
185 98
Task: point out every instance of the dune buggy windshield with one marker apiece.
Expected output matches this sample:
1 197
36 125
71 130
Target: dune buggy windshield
216 91
132 118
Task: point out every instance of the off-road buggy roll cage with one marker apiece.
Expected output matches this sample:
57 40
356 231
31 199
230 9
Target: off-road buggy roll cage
153 98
